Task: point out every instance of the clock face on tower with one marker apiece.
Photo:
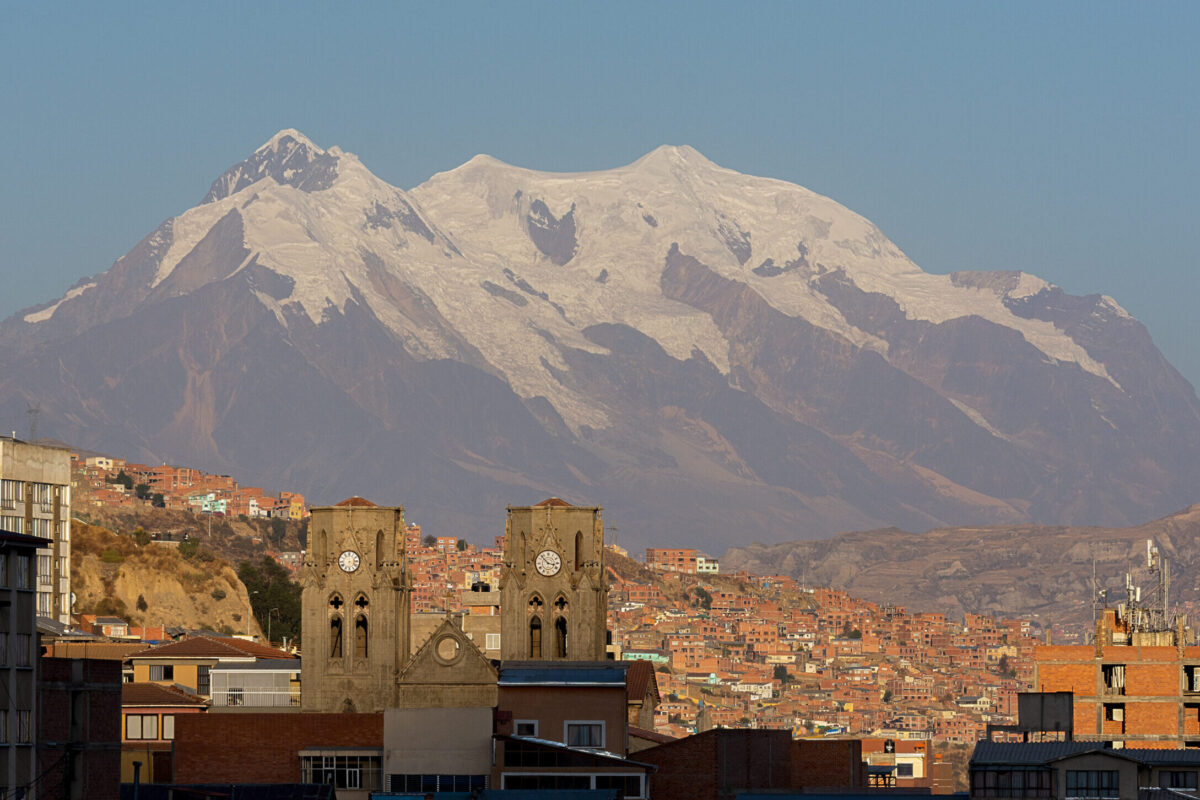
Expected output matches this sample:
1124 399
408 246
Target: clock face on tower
349 561
548 562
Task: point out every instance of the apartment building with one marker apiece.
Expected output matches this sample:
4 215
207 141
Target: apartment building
35 500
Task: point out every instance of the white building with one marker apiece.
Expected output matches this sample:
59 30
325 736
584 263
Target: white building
35 500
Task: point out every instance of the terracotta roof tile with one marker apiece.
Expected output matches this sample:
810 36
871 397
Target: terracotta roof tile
211 647
155 694
640 678
357 501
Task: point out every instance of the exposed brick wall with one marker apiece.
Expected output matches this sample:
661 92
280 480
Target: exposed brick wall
716 764
836 763
262 748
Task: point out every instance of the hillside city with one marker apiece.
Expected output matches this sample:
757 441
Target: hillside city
912 693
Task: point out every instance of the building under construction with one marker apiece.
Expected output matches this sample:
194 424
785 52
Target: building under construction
1138 683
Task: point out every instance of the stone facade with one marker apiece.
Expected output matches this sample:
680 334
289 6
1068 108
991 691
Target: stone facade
356 601
553 590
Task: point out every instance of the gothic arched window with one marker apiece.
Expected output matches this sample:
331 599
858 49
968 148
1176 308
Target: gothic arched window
360 636
335 636
535 637
560 637
578 550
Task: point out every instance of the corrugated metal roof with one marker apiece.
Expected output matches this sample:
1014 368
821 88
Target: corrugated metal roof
1028 752
562 675
1039 753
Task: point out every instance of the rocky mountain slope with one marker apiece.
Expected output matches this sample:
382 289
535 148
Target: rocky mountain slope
716 358
1027 571
153 584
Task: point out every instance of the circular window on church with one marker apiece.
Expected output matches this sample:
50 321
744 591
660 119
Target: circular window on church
447 650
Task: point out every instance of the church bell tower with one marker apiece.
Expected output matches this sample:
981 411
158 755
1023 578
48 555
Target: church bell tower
355 607
553 590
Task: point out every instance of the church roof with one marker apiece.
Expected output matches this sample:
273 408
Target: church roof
553 501
357 501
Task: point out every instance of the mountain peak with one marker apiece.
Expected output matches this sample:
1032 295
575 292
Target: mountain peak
286 139
289 158
674 156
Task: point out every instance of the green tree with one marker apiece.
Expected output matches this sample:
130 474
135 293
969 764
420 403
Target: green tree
273 594
157 500
124 480
887 695
704 597
780 673
141 537
278 530
462 545
430 540
142 491
188 548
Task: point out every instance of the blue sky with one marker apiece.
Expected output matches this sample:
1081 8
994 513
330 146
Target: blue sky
1058 138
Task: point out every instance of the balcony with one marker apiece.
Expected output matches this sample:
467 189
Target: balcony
243 697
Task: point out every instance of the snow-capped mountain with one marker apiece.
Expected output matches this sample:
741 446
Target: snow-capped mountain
714 357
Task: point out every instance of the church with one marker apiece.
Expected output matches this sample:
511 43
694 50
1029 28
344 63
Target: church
453 719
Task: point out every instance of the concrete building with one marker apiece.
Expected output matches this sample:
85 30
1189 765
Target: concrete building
35 499
553 588
18 661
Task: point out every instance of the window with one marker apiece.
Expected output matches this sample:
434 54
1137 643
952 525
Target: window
235 696
1177 779
535 637
1030 782
437 783
44 568
560 637
3 569
13 524
3 726
342 772
904 770
63 568
585 734
203 680
1093 783
360 637
11 493
24 727
1191 679
626 785
42 496
162 672
43 603
39 527
23 580
491 641
335 637
141 726
3 647
1113 676
526 727
21 644
168 726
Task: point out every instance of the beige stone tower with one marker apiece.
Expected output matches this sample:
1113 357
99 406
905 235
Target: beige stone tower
355 599
553 590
